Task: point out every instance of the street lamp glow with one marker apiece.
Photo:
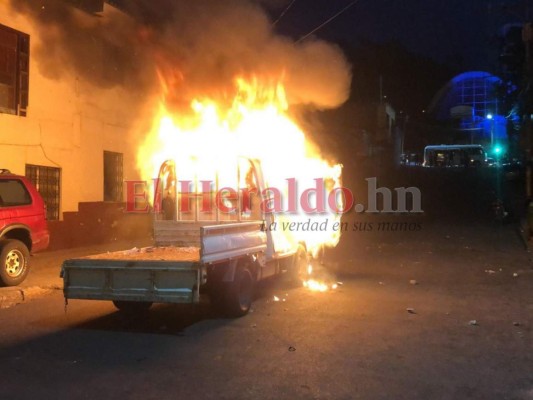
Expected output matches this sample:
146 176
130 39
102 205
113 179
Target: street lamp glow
490 116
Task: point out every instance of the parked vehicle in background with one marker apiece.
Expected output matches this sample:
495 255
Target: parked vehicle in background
464 155
491 162
23 227
512 168
410 159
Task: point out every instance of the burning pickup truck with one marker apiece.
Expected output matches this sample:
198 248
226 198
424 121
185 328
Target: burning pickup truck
220 225
222 251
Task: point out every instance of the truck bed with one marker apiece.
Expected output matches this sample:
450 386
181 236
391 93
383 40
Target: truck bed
150 254
154 274
160 274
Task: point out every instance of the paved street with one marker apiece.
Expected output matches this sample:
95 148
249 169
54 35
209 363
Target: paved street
149 123
359 341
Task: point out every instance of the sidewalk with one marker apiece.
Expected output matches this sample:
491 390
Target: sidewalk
45 267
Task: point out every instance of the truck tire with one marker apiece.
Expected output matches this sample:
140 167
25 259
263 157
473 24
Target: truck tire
14 256
239 293
132 307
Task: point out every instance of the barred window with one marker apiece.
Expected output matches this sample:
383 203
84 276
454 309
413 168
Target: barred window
14 71
113 176
47 181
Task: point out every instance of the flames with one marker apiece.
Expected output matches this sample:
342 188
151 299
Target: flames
252 122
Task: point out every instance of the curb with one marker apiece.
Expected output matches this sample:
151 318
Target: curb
10 297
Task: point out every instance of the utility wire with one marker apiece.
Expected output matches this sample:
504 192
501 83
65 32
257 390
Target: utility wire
353 3
284 12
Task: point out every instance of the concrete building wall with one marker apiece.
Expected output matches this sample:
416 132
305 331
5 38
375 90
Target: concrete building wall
69 125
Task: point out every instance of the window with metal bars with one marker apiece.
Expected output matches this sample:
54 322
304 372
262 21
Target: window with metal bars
47 180
14 71
113 176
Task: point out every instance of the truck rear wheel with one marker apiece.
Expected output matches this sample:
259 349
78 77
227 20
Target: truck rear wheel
132 307
239 293
14 256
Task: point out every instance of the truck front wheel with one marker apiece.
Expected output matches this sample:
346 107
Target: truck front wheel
14 256
239 293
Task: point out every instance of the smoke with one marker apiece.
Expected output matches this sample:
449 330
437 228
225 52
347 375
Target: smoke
101 50
198 46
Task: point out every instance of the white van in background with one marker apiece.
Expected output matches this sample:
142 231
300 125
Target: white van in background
461 155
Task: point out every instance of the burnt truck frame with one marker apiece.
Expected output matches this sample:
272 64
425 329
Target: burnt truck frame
221 254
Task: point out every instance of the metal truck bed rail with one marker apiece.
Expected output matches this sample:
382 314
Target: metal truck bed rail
228 241
153 281
160 275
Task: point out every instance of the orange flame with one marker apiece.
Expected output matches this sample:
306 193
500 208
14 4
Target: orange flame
255 125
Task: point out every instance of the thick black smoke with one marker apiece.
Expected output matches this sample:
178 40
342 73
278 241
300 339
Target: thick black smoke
199 47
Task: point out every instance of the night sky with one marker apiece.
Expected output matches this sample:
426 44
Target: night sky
456 32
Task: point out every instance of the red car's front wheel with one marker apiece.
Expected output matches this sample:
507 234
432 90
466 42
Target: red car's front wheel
14 256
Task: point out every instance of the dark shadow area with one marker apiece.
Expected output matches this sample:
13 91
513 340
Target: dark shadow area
118 343
459 195
175 319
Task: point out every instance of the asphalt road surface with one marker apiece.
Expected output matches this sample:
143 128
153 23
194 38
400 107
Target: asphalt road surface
358 341
444 312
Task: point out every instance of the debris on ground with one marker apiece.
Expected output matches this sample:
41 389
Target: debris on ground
411 310
131 251
473 323
516 323
490 271
413 282
292 348
276 298
515 275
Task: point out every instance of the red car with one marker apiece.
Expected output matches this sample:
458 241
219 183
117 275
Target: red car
23 227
